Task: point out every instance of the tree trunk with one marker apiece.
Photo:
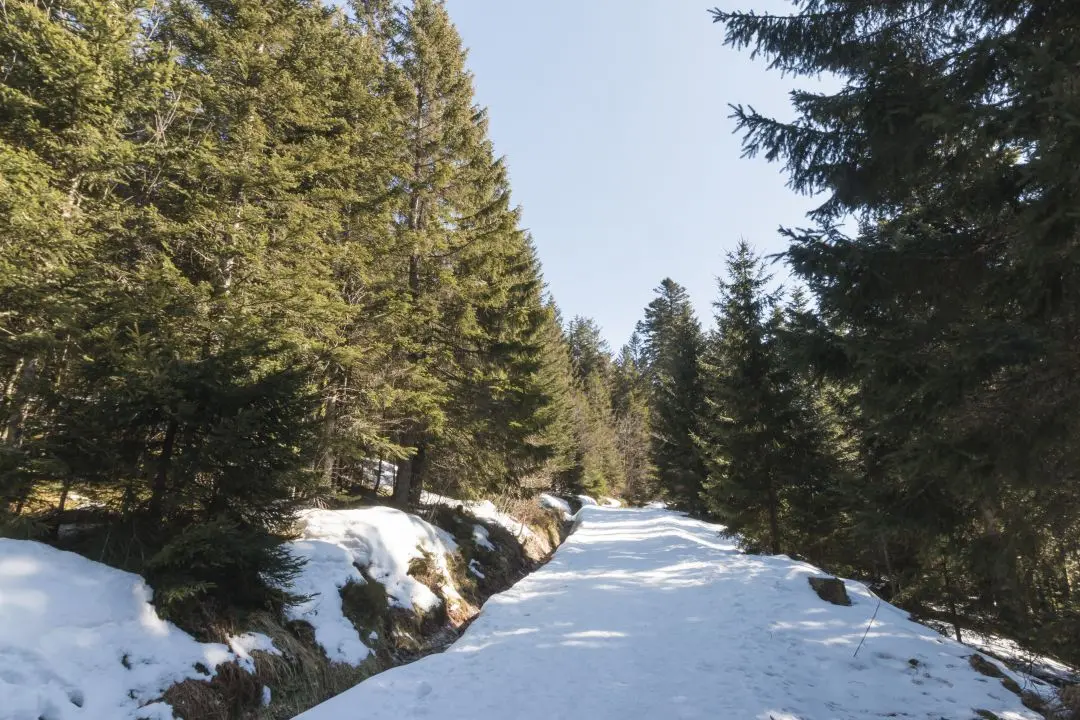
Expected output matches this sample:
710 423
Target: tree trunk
328 460
161 477
378 479
409 483
402 482
774 521
416 487
20 399
951 592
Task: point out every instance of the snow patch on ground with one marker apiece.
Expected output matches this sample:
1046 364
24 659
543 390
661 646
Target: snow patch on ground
650 614
474 568
80 640
483 510
381 540
481 537
556 503
328 567
243 645
586 500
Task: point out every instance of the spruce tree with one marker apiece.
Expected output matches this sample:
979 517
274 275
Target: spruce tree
950 304
598 470
740 430
671 344
630 402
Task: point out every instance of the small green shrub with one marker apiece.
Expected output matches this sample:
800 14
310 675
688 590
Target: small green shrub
366 606
205 570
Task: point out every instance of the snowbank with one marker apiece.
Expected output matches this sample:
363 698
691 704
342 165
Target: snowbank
586 500
80 640
650 614
380 540
1042 667
555 503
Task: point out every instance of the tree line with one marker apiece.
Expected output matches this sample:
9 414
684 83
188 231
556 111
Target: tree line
250 249
911 417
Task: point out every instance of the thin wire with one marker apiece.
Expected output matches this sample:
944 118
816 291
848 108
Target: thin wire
872 618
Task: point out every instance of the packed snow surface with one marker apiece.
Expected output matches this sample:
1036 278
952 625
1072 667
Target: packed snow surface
80 640
381 540
649 614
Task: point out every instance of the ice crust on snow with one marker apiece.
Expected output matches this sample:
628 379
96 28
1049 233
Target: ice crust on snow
382 541
650 614
79 640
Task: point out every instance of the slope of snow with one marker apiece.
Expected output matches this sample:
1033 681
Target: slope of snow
649 614
382 541
80 640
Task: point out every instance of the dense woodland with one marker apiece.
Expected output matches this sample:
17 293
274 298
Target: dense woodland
253 251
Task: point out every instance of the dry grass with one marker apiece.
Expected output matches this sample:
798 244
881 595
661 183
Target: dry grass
300 678
1069 707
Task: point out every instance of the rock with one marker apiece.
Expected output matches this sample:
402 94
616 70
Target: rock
830 590
985 667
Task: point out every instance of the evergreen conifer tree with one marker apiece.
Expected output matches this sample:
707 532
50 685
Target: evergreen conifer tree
671 343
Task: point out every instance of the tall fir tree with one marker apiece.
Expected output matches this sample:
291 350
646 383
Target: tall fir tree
740 429
671 343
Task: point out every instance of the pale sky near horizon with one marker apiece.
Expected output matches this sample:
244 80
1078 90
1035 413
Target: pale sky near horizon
614 120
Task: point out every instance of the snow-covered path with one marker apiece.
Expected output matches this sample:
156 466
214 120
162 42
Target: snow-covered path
648 614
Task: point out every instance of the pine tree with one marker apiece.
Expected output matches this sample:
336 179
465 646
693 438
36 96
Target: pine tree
671 345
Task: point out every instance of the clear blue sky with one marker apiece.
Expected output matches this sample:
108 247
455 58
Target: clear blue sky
614 120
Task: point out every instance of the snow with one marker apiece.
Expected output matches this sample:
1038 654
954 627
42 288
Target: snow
586 500
482 510
328 568
556 503
481 537
1008 650
474 568
267 696
610 502
243 645
80 640
650 614
382 541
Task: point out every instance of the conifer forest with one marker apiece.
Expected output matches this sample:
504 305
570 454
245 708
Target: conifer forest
262 255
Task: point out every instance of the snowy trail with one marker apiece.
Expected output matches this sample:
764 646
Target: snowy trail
648 614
